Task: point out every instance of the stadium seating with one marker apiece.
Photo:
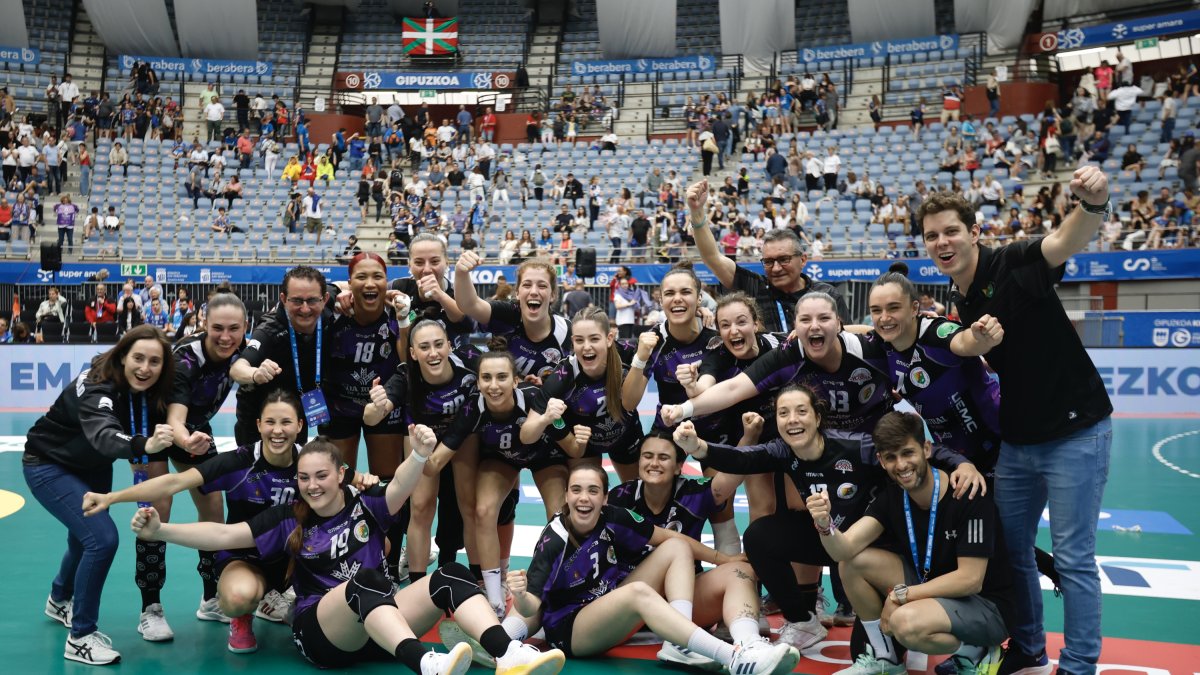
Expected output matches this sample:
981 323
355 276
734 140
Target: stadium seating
49 25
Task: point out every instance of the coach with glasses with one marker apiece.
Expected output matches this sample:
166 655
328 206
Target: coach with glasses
783 281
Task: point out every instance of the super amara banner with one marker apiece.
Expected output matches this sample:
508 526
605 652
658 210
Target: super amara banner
166 64
1128 31
925 45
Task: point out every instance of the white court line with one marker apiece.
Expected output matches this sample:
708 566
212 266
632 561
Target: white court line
1157 452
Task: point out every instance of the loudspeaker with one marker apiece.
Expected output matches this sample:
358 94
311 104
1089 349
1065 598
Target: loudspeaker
585 263
52 257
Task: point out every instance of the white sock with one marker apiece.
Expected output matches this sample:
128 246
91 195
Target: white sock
972 652
743 630
880 643
684 607
493 587
516 628
726 538
703 643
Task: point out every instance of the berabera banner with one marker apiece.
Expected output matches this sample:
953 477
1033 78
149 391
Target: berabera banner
922 45
678 64
20 55
167 64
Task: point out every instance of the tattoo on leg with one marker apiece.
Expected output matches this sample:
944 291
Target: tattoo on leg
742 575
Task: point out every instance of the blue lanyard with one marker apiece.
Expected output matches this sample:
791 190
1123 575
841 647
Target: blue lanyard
296 355
783 322
912 538
144 429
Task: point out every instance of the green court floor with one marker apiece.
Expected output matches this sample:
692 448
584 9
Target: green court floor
1150 565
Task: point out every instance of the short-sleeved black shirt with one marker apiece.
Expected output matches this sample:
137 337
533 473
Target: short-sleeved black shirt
778 308
1049 387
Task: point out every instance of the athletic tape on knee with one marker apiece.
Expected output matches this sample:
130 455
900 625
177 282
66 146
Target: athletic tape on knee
367 591
452 585
725 536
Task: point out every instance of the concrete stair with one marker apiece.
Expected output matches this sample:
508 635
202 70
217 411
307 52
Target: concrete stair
316 79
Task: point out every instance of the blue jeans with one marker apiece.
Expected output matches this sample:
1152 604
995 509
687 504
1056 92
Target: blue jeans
91 542
85 180
1168 130
1070 473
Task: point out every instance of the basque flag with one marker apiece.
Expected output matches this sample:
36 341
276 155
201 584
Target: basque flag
427 37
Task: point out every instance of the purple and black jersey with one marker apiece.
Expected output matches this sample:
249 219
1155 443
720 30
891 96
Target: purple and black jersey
201 384
568 578
666 358
437 404
500 436
690 507
533 358
358 354
859 391
332 549
459 332
723 365
958 397
587 404
251 484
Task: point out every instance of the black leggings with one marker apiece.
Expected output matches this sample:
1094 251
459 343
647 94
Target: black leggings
774 542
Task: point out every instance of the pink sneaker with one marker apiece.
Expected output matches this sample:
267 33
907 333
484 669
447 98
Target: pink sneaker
241 635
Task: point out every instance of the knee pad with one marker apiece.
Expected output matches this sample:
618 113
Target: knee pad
367 591
451 585
508 508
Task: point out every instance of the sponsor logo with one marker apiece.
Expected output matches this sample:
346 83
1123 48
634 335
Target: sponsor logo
372 80
1136 265
1161 337
611 555
1119 31
842 466
946 42
106 403
1181 337
641 65
809 55
1072 267
866 393
361 531
814 271
480 81
876 48
919 377
346 571
860 375
847 490
45 276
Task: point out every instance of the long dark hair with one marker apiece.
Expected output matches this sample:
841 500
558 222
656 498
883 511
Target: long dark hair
108 367
418 388
612 368
321 445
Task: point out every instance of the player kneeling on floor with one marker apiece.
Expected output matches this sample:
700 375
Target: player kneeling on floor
948 590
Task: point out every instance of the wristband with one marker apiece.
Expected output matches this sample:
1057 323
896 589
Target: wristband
686 410
1104 209
637 362
824 531
421 459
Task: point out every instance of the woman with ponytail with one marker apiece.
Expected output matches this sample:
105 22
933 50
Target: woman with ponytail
347 607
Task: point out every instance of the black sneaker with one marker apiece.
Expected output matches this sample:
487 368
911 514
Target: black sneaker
1017 662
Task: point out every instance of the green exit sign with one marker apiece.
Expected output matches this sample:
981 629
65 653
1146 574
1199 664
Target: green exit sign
133 270
1147 43
428 93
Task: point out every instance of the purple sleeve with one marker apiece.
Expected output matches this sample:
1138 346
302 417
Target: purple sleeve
633 532
222 472
271 530
464 425
775 368
375 501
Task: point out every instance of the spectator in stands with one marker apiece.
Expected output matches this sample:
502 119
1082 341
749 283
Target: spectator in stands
952 96
831 166
291 171
1097 148
917 118
100 309
313 214
232 190
814 170
487 126
351 249
241 106
194 186
1133 161
214 113
222 224
118 157
53 102
485 154
245 150
27 159
21 222
1104 79
52 309
129 315
462 125
1123 99
65 213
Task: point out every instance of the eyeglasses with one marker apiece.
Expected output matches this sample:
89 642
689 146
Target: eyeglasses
782 261
300 302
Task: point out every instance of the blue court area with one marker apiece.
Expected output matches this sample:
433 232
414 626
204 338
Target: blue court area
1148 547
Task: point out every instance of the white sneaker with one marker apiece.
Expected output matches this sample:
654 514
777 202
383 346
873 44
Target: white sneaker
402 565
210 610
455 663
867 664
453 635
803 634
153 625
763 657
275 607
822 610
59 611
526 659
673 653
93 649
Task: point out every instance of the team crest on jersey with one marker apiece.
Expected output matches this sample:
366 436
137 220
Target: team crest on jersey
384 331
356 511
847 490
361 531
604 536
919 377
843 465
552 355
106 403
947 329
385 349
363 376
916 357
611 556
860 375
866 393
714 342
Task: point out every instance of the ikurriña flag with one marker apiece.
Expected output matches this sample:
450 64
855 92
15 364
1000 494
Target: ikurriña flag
429 37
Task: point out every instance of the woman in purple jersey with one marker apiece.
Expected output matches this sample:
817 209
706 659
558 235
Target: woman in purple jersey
253 479
589 602
432 388
347 608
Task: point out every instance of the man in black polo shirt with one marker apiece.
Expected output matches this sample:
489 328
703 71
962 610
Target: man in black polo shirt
938 581
1054 412
783 258
564 220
